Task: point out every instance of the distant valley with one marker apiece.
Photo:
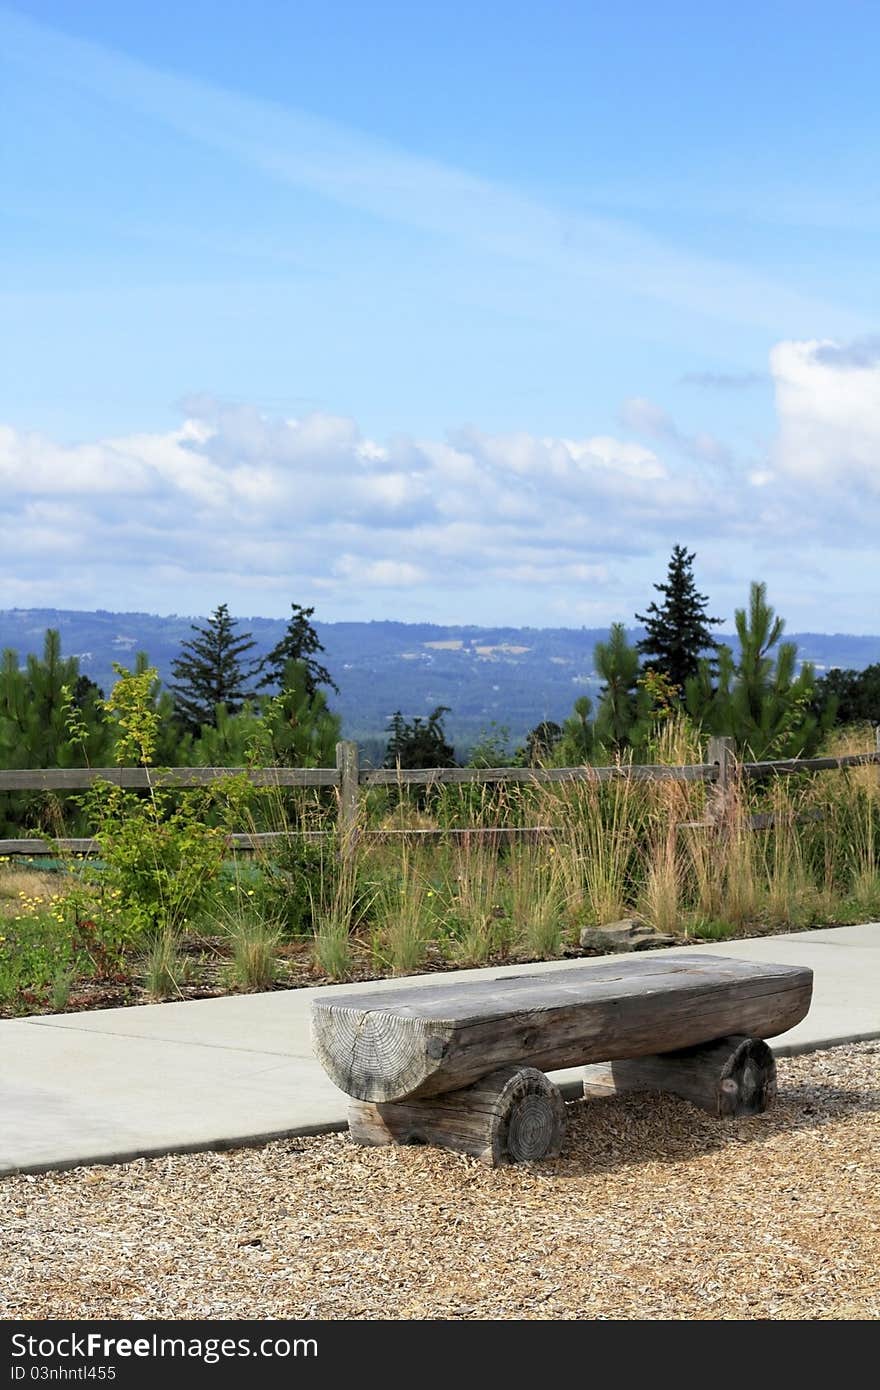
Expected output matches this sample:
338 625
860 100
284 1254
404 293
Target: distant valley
511 677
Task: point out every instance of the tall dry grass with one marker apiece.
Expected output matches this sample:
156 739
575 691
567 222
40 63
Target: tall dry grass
402 909
665 849
535 892
475 912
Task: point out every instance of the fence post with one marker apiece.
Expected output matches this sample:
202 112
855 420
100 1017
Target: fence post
348 769
722 752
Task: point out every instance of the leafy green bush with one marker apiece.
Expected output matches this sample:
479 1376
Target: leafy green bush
160 856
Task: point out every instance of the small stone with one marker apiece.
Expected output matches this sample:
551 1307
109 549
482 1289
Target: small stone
629 934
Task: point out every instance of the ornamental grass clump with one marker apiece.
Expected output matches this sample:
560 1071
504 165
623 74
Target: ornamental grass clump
601 827
536 900
477 925
255 945
166 968
402 914
335 907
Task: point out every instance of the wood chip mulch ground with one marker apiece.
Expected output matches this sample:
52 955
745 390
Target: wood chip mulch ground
653 1210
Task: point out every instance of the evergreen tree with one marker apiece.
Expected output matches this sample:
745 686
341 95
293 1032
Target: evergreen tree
758 700
229 740
39 704
34 705
622 718
419 742
291 729
677 630
578 740
86 692
300 643
302 730
210 671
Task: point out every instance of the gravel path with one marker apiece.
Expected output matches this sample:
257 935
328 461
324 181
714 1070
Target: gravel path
654 1210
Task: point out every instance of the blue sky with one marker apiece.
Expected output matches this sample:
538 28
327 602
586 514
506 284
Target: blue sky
443 312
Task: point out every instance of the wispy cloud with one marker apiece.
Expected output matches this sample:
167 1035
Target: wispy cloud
724 381
651 421
359 171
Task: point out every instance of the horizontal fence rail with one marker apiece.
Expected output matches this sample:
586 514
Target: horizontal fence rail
348 778
785 766
143 778
457 776
485 835
88 845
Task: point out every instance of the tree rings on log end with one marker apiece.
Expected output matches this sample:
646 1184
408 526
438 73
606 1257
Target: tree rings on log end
513 1115
372 1054
748 1078
530 1116
730 1076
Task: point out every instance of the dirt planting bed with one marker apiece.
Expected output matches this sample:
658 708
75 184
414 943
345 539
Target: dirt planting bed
653 1210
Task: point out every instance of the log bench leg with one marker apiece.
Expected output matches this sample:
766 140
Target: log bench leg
514 1115
731 1076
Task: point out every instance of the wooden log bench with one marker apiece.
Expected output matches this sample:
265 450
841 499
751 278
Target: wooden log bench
462 1064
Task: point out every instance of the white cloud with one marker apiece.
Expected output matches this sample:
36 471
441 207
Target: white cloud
378 574
653 422
237 502
828 403
312 500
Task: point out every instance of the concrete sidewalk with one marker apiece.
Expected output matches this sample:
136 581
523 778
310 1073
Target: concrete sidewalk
124 1083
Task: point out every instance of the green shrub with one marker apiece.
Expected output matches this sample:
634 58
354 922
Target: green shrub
160 855
294 874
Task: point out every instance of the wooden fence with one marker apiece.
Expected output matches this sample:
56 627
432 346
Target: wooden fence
348 778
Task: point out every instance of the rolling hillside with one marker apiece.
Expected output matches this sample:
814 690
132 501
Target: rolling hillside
513 677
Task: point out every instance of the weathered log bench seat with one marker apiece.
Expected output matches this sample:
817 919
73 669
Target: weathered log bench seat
462 1065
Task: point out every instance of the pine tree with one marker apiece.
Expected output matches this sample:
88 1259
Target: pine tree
229 741
303 731
210 671
34 703
623 714
758 700
300 643
578 736
37 703
677 630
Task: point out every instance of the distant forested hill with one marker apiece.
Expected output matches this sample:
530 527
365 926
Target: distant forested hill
514 677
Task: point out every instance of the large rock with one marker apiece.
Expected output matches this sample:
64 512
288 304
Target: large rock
629 934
